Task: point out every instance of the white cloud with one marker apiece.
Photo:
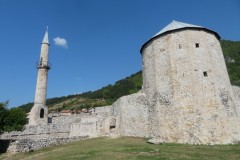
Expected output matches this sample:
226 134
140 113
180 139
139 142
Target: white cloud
61 42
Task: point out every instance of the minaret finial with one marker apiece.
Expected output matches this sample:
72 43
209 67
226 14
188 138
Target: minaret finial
47 28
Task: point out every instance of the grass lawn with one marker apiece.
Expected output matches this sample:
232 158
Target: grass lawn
125 148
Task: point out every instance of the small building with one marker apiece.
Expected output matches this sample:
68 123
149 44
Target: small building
66 113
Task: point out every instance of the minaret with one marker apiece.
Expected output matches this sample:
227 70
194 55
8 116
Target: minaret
39 112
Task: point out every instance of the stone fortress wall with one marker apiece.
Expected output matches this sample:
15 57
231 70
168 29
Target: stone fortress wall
62 129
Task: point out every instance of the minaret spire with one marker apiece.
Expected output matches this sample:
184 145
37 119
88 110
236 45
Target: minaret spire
45 38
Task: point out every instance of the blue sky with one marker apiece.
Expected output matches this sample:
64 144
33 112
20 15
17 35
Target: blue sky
103 39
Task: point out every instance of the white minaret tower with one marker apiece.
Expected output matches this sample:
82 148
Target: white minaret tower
39 112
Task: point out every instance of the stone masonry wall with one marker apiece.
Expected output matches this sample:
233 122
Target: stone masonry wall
132 115
236 90
28 145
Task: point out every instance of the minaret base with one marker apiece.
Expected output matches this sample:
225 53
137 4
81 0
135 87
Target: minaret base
38 115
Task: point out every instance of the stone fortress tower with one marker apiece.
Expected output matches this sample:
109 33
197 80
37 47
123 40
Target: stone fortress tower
187 87
187 96
39 112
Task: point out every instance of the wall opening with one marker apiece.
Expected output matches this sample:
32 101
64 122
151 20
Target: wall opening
197 45
112 123
42 113
49 119
41 62
112 127
180 46
4 145
205 74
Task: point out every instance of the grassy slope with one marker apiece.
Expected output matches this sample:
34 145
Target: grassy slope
132 84
130 148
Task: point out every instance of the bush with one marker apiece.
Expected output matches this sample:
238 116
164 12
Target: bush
11 120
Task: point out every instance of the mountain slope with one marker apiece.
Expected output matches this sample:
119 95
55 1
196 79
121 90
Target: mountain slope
231 52
132 84
101 97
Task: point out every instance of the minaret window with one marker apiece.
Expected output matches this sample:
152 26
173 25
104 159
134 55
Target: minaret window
42 113
197 45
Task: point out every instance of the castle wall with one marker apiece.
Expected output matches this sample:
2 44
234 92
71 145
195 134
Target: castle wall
84 127
132 115
236 90
93 124
63 129
28 145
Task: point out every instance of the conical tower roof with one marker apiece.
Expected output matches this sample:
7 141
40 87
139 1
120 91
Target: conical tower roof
45 38
175 25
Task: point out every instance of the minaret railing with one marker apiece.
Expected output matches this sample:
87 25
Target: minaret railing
43 65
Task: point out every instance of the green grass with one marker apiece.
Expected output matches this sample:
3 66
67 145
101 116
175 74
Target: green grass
129 148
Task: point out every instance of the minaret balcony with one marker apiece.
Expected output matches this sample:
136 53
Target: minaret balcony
43 65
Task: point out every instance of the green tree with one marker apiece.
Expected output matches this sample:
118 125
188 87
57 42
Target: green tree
11 120
106 93
15 120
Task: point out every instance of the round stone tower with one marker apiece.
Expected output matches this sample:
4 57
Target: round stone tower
187 87
39 112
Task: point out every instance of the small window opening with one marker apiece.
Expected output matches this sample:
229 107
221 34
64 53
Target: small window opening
205 74
197 45
42 113
180 46
113 123
112 127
